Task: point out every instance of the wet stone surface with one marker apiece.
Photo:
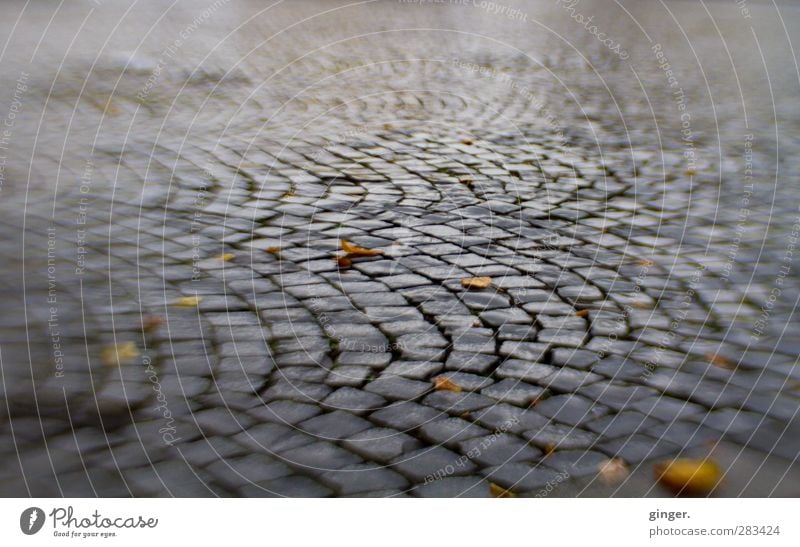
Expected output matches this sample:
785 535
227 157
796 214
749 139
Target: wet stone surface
253 363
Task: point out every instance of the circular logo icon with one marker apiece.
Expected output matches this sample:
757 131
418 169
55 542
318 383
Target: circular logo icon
31 520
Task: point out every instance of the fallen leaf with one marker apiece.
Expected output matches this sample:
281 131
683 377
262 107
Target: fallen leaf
273 250
582 313
113 356
227 257
642 305
288 194
112 109
465 180
355 250
188 301
388 127
549 448
151 322
688 476
443 383
720 361
476 282
466 141
647 263
466 415
343 262
691 172
613 471
498 491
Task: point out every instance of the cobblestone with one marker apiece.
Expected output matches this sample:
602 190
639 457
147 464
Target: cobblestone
205 239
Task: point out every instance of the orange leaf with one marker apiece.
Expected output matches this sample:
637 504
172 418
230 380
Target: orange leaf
476 282
582 313
151 322
720 361
443 383
355 250
613 471
498 491
343 262
227 257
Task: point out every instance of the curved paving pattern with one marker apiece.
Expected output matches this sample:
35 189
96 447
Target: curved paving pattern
197 230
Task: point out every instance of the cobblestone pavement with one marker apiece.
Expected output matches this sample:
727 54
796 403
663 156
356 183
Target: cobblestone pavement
178 186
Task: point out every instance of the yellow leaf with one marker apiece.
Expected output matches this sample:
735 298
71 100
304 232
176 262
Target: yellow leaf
355 250
688 476
113 356
613 471
476 282
498 491
188 301
443 383
227 257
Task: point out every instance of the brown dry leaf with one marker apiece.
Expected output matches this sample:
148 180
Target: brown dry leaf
227 257
613 471
355 250
476 282
343 262
498 491
582 313
151 322
466 141
188 301
465 180
549 448
691 172
111 109
647 263
688 476
288 194
466 415
642 305
443 383
388 127
720 361
273 250
113 356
